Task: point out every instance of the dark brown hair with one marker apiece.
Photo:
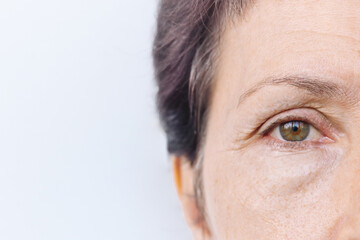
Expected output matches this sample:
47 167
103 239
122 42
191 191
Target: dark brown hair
184 54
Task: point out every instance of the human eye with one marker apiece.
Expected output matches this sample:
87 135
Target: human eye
298 128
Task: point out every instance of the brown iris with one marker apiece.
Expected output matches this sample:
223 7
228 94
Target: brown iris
294 130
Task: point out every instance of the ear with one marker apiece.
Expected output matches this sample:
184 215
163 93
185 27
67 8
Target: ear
184 177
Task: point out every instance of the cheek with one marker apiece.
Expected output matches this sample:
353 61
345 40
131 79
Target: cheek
284 194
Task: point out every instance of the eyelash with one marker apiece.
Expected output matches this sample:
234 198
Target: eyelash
299 145
290 118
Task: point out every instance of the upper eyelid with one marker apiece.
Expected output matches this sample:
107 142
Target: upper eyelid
266 128
290 118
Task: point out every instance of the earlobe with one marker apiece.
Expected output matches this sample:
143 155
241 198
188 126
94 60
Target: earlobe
177 174
184 178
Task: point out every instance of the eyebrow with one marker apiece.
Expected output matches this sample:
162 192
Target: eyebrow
316 86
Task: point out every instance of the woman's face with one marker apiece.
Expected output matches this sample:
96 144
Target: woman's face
281 154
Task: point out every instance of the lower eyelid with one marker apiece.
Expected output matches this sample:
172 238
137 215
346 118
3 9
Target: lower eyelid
286 146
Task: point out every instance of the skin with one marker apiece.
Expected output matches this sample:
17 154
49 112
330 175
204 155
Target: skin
286 60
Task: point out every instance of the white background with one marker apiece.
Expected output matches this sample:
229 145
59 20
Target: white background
82 155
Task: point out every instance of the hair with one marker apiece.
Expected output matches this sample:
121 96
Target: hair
184 54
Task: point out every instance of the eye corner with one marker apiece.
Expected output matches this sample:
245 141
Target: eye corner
327 140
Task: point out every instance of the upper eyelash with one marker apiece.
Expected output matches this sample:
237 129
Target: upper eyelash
290 118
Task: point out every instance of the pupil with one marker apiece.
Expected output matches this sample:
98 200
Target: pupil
295 128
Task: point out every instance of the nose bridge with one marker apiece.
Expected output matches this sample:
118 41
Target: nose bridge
348 227
354 183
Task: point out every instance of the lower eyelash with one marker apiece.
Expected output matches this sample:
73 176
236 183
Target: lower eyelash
296 145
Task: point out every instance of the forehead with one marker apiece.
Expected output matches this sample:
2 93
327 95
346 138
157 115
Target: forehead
319 38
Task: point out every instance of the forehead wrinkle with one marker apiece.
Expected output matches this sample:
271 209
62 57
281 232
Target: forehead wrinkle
316 86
